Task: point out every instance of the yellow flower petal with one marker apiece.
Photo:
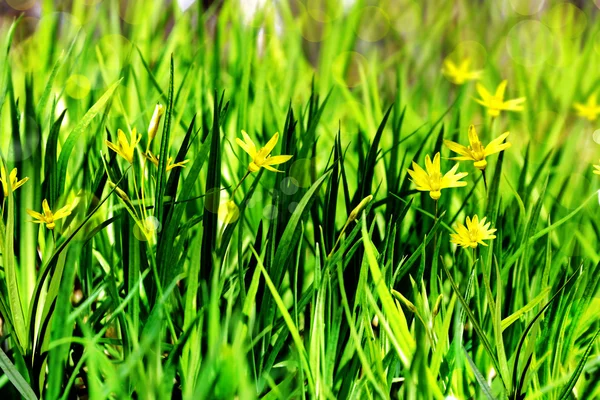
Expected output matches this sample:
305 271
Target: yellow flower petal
270 144
458 148
275 160
35 215
249 144
245 147
485 95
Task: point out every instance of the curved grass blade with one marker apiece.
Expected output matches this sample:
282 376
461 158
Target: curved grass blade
286 245
69 144
15 377
568 389
5 77
485 388
476 326
161 181
8 258
288 320
516 395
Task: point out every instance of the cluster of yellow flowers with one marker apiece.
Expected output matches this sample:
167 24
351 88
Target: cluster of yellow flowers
431 178
126 149
46 216
123 147
460 74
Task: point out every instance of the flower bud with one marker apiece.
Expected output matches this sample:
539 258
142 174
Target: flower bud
364 202
404 301
437 306
120 193
228 212
159 110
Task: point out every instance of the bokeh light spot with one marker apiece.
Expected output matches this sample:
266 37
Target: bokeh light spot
270 211
111 49
78 86
596 136
374 24
311 29
530 43
407 16
212 200
21 5
565 19
347 68
133 11
300 172
146 228
30 141
289 186
527 7
228 212
324 10
472 50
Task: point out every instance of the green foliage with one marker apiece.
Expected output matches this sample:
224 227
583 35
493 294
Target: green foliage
208 279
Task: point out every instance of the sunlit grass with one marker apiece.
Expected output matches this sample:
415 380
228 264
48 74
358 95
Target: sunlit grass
220 203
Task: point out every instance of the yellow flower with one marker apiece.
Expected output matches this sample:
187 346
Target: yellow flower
597 169
48 217
475 151
124 148
473 234
14 182
590 110
154 160
432 180
459 74
495 103
262 157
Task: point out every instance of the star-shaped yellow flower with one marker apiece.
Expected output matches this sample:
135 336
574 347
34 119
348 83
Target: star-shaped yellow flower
589 110
473 234
15 183
154 160
48 217
460 74
432 180
597 169
496 103
123 147
261 158
476 151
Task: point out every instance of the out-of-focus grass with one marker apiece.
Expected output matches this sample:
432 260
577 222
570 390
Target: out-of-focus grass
153 288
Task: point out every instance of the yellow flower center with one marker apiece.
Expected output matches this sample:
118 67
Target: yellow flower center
435 181
435 185
496 101
474 236
258 161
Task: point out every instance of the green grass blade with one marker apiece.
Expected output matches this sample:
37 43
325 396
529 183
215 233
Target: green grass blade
15 377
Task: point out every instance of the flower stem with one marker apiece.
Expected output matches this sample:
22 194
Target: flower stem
435 235
484 181
338 239
239 183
